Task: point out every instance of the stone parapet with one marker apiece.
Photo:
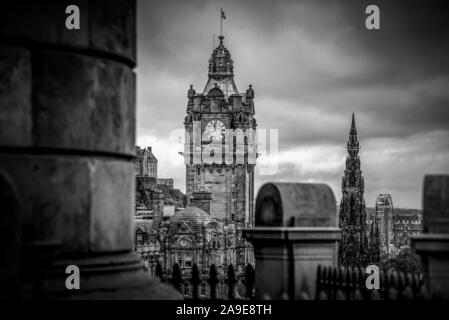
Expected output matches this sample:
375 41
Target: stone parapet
433 244
295 231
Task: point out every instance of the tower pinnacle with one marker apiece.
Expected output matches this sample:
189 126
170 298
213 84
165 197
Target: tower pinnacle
353 146
221 70
353 129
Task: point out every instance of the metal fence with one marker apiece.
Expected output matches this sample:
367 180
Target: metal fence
334 283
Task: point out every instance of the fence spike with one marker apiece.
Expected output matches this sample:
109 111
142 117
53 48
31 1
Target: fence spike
374 295
423 293
284 296
318 281
382 283
266 296
350 284
329 282
357 291
392 293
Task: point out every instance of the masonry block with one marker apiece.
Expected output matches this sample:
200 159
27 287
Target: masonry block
105 26
82 204
15 96
436 204
296 204
433 244
296 230
93 110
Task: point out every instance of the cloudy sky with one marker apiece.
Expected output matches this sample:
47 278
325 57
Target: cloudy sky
311 63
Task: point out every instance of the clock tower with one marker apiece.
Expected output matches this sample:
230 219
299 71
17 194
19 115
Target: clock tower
220 148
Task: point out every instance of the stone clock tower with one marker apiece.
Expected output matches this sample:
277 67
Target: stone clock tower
220 149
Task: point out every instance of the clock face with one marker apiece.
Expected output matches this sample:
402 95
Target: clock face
214 131
183 242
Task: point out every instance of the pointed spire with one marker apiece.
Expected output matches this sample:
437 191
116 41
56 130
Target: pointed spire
353 129
353 143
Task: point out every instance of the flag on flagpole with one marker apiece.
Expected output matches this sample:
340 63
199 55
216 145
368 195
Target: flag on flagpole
223 16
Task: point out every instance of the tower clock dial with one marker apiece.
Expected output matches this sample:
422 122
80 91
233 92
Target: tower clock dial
214 131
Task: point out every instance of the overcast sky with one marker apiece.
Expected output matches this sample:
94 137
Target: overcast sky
311 64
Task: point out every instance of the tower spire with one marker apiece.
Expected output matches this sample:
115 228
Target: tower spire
353 129
354 243
353 146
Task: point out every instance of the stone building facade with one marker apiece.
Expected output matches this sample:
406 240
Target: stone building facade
220 149
396 225
406 223
219 182
145 162
220 109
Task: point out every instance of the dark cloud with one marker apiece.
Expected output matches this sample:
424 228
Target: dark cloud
312 63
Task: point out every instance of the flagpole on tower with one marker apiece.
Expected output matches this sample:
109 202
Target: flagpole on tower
222 16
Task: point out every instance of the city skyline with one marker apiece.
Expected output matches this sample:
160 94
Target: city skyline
310 69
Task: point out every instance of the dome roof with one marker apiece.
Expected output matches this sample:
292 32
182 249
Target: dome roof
192 216
220 62
221 72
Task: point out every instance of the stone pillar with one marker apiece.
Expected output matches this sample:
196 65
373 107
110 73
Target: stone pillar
67 142
433 244
295 231
202 200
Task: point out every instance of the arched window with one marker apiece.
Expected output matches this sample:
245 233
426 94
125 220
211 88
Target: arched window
188 262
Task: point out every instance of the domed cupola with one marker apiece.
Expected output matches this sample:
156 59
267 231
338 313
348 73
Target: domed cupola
220 62
221 71
192 218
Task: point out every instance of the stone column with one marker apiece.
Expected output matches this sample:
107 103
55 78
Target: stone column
67 135
295 231
433 244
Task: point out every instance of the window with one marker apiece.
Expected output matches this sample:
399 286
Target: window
202 289
186 288
188 262
180 261
139 238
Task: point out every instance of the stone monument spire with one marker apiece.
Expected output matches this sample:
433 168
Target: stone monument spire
352 219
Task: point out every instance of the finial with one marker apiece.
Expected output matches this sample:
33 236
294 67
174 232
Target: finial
353 129
221 39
